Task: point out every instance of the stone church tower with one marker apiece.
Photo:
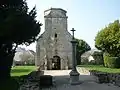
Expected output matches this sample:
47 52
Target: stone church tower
54 49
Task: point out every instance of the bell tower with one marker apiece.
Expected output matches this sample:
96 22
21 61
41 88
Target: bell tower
55 46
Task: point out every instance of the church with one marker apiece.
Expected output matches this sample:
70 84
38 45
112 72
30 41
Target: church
54 48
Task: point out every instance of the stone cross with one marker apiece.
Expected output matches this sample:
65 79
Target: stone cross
74 75
73 30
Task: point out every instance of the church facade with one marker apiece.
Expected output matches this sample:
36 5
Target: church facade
53 48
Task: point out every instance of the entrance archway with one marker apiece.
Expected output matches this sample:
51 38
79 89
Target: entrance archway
56 63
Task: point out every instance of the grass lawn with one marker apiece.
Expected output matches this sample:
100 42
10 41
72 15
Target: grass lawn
100 68
22 70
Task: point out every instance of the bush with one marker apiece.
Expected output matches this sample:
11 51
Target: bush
111 62
84 60
98 57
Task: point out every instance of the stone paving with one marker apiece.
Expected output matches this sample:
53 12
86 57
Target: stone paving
61 79
61 82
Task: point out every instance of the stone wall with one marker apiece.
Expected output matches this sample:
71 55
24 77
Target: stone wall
113 78
102 77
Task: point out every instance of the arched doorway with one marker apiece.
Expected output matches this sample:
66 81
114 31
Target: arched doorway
56 63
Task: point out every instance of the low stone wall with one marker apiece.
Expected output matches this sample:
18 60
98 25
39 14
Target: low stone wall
35 81
113 78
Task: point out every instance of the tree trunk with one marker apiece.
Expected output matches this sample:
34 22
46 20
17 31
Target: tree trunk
78 56
5 67
6 60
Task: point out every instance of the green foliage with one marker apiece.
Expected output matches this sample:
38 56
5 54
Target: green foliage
81 47
111 62
98 57
11 2
17 26
108 39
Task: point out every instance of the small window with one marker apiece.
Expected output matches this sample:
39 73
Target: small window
55 35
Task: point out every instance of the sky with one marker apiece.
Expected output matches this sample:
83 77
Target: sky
87 17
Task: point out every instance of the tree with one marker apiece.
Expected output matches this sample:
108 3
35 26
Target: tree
27 58
81 47
24 57
17 26
108 39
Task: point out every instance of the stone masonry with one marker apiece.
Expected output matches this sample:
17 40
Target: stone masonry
54 49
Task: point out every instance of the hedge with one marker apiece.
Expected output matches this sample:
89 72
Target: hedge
111 62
